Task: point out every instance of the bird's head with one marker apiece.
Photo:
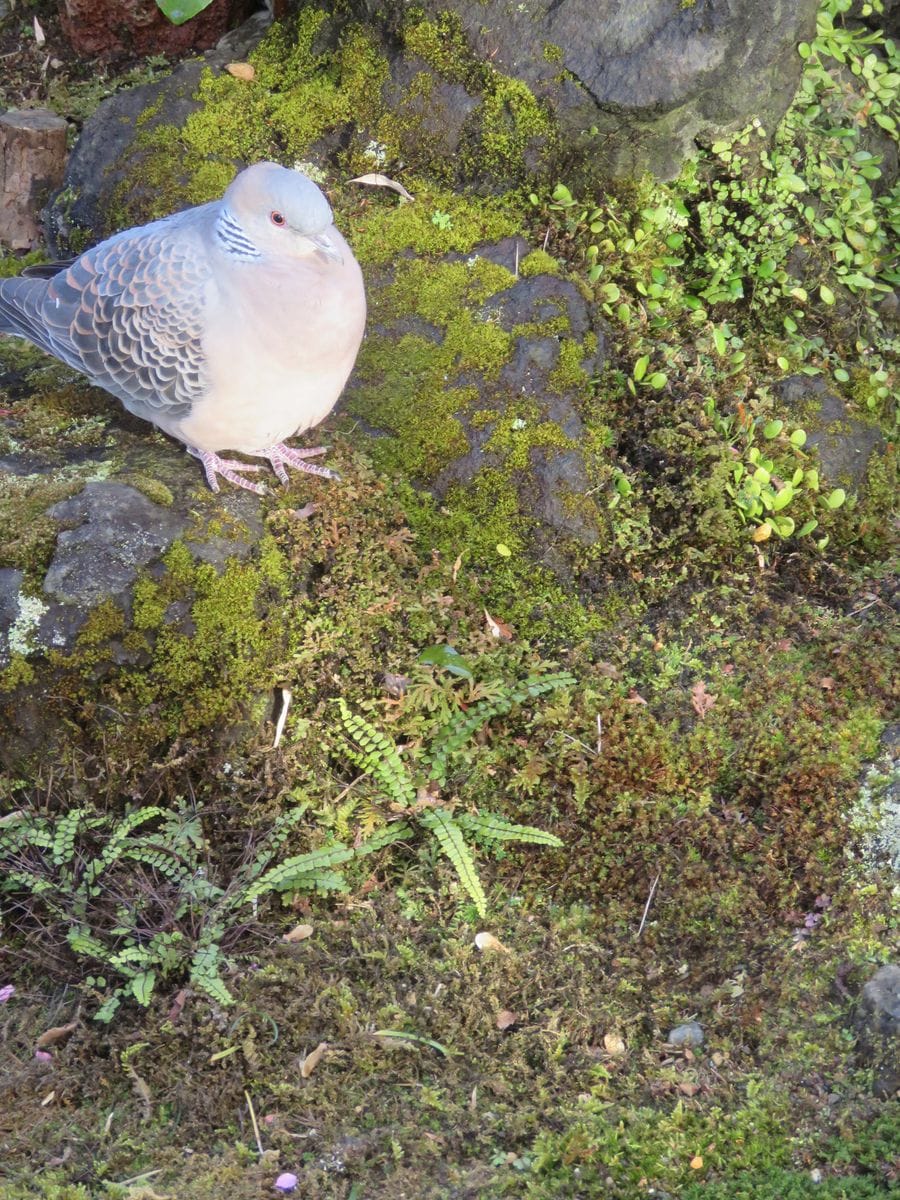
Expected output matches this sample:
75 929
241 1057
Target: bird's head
281 212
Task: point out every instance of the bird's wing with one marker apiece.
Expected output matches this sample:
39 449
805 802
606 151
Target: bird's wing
128 313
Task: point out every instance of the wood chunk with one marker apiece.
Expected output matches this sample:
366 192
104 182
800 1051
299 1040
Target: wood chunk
32 162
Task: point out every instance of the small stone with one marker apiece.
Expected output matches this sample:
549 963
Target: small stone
689 1034
286 1182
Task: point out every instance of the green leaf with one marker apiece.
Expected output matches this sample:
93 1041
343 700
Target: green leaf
806 528
495 828
448 659
640 368
836 498
142 987
719 340
826 294
657 380
772 429
448 835
610 292
798 438
179 11
414 1038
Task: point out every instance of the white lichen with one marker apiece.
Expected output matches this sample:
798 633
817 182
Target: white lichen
29 610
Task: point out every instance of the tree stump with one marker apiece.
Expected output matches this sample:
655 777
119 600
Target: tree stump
32 162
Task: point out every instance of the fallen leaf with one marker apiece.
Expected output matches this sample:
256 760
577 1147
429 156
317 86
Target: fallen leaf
177 1006
304 513
613 1043
241 70
689 1089
497 628
312 1060
763 532
634 697
487 942
506 1019
298 934
827 683
376 180
456 566
51 1036
783 644
701 699
39 36
610 670
395 684
696 1162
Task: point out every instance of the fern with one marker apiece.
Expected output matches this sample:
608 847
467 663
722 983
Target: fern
398 831
285 876
492 828
378 755
452 843
455 733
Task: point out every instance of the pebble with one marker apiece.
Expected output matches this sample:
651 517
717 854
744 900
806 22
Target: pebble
689 1034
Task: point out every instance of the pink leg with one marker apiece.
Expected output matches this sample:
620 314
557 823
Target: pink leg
228 468
282 456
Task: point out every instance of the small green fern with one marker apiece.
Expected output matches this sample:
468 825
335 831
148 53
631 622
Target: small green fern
378 756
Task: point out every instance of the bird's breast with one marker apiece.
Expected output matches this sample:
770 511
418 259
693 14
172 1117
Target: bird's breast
278 352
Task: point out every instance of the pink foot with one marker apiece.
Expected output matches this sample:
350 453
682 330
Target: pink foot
282 456
228 468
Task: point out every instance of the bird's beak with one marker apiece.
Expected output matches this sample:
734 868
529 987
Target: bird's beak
326 247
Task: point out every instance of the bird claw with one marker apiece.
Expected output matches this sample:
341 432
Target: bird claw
228 468
282 456
279 455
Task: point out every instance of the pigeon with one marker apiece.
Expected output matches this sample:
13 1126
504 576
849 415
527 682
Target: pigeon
231 326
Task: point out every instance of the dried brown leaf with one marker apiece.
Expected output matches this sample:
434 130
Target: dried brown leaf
241 70
701 699
507 1019
312 1060
376 180
497 628
51 1036
689 1089
298 934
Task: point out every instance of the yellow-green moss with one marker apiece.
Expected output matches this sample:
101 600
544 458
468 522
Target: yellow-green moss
18 673
539 262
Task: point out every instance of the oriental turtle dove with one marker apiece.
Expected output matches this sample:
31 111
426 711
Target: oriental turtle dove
231 326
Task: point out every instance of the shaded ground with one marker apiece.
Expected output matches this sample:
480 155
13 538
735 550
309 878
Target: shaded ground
703 774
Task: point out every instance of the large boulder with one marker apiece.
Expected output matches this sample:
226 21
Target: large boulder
489 95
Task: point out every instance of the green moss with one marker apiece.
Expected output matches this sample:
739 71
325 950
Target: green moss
539 262
515 130
393 227
443 45
569 374
18 673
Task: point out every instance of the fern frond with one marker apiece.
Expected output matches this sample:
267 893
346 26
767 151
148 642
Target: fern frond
377 755
283 877
117 839
63 848
497 829
454 734
397 831
83 942
206 975
448 834
320 882
275 839
161 859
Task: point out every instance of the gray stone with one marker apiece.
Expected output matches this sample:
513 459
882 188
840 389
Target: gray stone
634 86
878 1030
117 531
845 443
690 1034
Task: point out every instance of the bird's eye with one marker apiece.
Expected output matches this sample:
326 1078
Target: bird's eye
277 218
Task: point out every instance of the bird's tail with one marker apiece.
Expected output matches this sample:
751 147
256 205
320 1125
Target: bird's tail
20 309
